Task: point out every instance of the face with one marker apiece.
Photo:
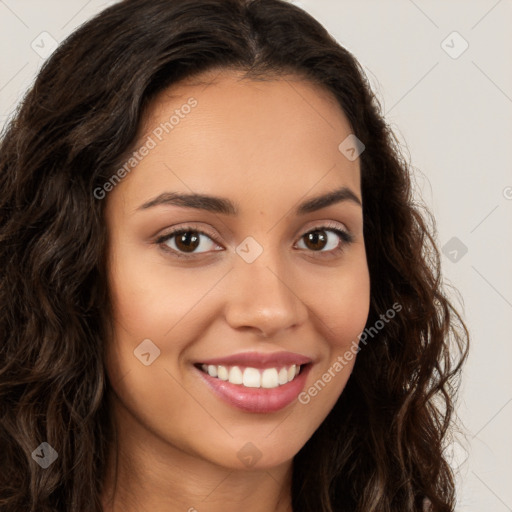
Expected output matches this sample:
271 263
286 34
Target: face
231 313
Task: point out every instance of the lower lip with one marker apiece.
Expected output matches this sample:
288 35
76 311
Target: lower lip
261 400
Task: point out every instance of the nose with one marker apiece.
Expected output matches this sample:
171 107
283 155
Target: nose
263 297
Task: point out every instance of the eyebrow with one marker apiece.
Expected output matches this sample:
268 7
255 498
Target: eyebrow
223 205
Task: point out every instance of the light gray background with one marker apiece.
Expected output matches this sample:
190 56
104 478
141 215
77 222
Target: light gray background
454 118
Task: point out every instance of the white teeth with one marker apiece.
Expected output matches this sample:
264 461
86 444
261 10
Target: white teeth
267 378
283 376
252 378
222 373
235 375
291 373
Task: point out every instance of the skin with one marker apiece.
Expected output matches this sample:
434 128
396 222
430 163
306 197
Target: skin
266 146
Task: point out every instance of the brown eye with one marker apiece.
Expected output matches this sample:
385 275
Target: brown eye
187 241
316 240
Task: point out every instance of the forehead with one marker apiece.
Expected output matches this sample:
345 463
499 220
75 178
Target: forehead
222 132
233 104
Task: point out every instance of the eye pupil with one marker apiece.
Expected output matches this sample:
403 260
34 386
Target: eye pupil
314 237
187 241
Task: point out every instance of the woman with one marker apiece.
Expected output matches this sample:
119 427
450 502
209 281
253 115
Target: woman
217 290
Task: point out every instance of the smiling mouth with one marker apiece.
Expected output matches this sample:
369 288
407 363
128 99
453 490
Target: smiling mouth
249 377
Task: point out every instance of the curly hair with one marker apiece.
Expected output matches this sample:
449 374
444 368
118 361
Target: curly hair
381 448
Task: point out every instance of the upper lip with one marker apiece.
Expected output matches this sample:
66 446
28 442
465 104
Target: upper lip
260 359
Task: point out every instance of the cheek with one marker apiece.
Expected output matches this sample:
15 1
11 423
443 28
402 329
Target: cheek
156 301
151 299
342 306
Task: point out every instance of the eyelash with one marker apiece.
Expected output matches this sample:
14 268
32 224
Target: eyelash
346 239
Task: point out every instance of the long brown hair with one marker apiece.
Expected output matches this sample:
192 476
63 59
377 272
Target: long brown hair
381 446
